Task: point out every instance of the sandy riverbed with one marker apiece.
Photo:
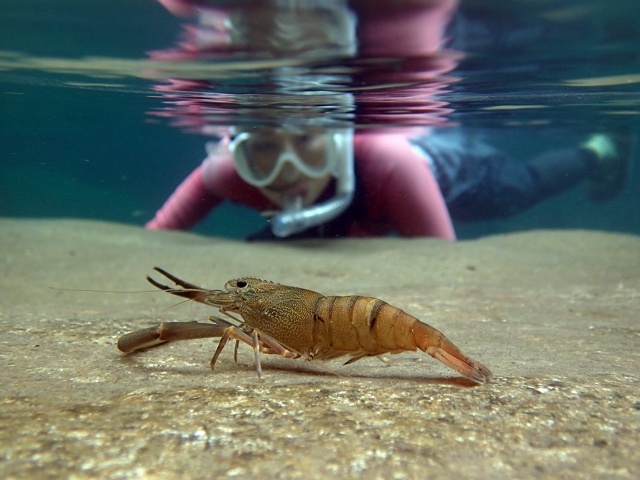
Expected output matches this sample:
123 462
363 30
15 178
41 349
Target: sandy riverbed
554 314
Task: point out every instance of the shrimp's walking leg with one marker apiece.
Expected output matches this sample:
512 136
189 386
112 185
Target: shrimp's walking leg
256 351
230 332
260 342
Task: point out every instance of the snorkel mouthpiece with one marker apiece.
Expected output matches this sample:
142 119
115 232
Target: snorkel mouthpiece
294 221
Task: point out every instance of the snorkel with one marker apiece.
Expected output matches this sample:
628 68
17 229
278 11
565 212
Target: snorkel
294 218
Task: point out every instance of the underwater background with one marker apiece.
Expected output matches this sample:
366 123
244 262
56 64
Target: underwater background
89 151
78 138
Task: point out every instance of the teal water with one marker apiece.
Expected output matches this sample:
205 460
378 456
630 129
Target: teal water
81 136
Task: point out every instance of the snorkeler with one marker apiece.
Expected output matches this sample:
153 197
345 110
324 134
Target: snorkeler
331 183
313 182
310 185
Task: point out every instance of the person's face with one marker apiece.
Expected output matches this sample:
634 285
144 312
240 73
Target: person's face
289 154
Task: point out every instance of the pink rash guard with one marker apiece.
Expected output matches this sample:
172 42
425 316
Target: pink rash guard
398 189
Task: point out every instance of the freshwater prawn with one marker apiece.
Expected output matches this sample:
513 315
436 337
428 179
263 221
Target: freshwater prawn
298 323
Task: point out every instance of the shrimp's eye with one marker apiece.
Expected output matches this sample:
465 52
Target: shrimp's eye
241 284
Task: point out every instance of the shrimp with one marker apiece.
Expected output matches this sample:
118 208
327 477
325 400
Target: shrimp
294 323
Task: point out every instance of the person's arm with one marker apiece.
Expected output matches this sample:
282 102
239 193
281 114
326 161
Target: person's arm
407 190
189 204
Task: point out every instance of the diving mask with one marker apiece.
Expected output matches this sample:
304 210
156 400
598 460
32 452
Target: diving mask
261 158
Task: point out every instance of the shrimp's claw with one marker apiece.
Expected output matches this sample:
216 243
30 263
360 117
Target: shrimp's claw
189 290
174 279
167 332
